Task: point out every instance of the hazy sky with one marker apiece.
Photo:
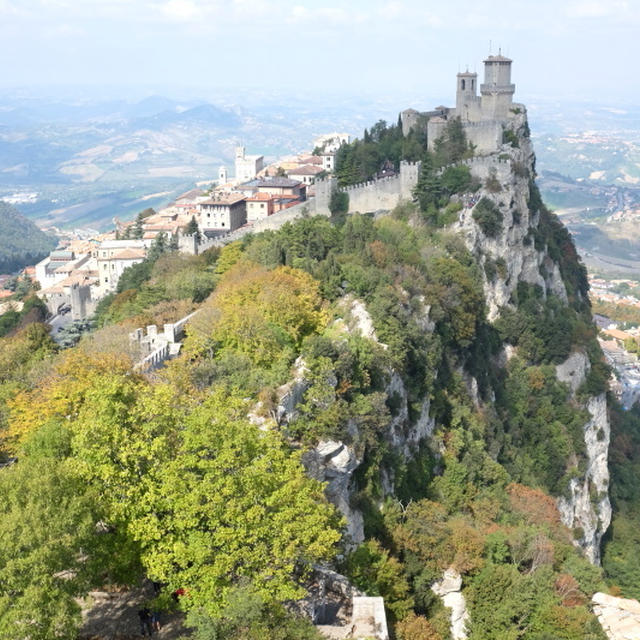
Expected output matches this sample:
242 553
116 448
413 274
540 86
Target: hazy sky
561 48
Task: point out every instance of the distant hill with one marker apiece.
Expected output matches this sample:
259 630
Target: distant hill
21 242
204 114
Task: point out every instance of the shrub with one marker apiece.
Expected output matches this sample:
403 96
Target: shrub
488 217
509 137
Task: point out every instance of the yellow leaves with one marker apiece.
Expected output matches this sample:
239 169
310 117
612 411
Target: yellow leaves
61 394
260 312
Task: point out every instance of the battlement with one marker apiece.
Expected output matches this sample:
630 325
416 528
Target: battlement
370 183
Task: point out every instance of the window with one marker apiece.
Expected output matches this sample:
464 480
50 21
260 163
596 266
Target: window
262 205
106 280
462 84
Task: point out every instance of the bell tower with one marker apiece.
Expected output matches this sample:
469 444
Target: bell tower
467 100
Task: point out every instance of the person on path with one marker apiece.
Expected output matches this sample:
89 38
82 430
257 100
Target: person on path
146 627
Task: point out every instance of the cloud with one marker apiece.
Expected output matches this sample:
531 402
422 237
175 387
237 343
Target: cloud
597 8
180 10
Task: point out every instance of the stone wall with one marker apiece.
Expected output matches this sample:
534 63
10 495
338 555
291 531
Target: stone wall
375 195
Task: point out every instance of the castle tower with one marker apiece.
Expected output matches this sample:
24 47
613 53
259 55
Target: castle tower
497 90
467 100
223 178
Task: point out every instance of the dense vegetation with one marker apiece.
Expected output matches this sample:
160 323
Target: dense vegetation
21 242
193 476
109 446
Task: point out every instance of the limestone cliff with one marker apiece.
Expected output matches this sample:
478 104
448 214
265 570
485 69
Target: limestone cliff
526 247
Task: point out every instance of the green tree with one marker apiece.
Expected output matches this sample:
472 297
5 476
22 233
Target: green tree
339 202
233 503
193 229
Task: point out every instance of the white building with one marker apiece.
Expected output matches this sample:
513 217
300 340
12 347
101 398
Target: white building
247 167
114 256
331 142
328 161
306 173
222 213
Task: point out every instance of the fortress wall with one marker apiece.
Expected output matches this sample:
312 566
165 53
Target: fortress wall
482 167
485 135
374 195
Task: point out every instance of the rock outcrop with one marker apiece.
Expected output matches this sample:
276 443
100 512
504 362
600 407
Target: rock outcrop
334 463
619 617
587 509
450 590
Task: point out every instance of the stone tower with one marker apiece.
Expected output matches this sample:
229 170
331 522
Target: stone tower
497 90
467 100
222 175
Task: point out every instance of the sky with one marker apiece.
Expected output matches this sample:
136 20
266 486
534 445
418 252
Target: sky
578 49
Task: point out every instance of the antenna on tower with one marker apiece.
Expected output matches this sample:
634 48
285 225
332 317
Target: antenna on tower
489 47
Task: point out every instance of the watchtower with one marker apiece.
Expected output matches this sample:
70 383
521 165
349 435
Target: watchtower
497 90
222 175
467 100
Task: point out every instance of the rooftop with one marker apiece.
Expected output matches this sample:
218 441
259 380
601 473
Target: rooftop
272 182
224 199
260 196
498 58
190 195
306 170
129 254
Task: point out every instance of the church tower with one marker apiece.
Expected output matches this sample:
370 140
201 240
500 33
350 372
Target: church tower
467 100
497 90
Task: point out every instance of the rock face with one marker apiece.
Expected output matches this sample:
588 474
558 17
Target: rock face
619 617
334 463
449 589
573 371
506 182
588 506
505 177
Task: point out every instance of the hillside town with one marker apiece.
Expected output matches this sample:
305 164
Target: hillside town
82 270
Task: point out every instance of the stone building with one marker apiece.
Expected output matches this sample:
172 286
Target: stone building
222 213
113 257
247 167
483 115
306 174
259 206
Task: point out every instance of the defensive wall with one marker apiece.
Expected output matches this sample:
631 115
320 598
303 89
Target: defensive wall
485 135
482 167
367 197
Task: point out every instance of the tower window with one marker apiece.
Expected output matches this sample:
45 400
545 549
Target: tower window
462 82
473 84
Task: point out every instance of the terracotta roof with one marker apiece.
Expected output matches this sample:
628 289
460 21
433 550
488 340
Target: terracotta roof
306 170
261 196
617 334
129 254
5 293
310 159
224 200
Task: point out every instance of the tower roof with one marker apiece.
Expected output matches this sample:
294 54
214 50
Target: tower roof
498 58
467 74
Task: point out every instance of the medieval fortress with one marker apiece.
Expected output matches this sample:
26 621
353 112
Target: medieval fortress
484 117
